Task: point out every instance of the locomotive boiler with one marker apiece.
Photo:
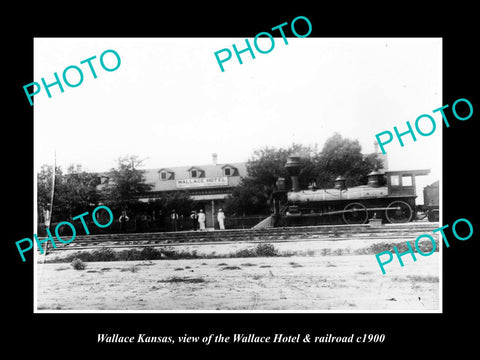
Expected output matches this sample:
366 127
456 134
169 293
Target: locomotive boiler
388 196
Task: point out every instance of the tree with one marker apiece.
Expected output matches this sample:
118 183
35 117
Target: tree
343 157
77 193
249 197
180 201
74 193
266 165
126 183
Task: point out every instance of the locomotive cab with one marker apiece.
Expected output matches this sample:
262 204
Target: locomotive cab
402 183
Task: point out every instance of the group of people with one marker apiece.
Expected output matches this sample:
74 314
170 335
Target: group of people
198 220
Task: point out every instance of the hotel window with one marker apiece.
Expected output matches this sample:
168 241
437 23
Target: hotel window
163 175
193 174
227 171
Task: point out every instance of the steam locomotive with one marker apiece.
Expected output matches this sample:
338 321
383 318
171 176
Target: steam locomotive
389 197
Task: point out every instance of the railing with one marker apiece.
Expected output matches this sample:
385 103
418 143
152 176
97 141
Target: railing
149 225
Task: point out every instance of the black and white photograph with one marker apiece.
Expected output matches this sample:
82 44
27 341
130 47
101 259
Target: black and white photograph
262 187
262 181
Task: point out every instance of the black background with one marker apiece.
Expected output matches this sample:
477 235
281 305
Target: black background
62 335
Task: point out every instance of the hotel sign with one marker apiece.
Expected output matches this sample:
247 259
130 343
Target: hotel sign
202 182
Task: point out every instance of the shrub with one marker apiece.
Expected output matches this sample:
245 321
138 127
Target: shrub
326 252
244 253
103 254
176 279
265 250
81 255
150 253
339 252
78 264
132 268
424 246
260 250
427 278
128 255
170 254
294 264
188 255
231 268
183 254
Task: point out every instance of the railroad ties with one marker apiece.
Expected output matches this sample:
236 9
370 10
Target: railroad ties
406 232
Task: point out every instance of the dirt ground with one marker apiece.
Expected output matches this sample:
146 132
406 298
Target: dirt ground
346 283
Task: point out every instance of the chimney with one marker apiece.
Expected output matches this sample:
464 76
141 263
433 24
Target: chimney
214 158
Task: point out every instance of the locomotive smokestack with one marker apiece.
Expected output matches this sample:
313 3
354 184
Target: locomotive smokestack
293 167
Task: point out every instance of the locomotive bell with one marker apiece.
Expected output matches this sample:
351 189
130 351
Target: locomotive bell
293 168
340 183
280 183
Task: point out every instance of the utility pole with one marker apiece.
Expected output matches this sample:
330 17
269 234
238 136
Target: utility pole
49 221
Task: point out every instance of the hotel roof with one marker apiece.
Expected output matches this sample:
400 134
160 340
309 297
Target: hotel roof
152 176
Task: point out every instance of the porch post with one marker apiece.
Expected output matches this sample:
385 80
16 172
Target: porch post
213 214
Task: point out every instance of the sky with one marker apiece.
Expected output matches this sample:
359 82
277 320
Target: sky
170 104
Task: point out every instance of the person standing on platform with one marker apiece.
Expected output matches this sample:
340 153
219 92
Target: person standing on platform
201 220
161 221
221 218
194 217
123 222
174 220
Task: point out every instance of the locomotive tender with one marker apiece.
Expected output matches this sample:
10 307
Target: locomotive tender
388 196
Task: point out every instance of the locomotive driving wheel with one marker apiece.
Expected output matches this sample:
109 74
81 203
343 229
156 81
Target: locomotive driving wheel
355 213
398 212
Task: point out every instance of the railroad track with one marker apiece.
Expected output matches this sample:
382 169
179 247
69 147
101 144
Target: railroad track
407 231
